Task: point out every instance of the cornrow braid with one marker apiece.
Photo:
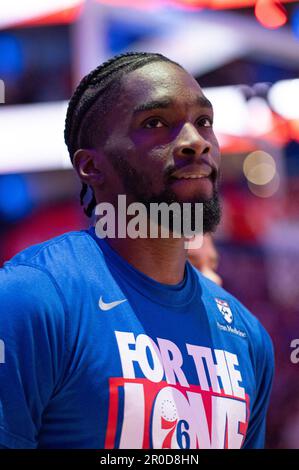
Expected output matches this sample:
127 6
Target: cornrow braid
89 210
96 88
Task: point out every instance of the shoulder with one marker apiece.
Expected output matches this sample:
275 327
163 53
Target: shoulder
29 296
52 278
57 248
29 282
61 258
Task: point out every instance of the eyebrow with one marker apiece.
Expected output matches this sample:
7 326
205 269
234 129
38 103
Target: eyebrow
202 101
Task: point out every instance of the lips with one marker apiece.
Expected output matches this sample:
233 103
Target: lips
195 171
190 177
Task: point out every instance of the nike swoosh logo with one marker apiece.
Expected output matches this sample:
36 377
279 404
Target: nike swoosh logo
108 306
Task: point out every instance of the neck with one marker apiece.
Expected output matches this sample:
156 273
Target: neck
162 259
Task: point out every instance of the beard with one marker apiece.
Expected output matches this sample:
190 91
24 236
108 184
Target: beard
139 186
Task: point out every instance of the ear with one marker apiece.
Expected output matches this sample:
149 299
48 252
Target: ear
87 163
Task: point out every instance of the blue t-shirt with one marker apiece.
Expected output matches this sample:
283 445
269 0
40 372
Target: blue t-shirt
99 355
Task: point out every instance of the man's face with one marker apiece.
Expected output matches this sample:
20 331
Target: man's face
161 145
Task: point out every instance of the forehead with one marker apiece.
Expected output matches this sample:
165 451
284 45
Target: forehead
158 80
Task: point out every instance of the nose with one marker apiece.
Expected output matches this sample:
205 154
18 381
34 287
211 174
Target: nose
190 143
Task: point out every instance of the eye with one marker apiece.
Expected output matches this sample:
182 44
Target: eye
153 123
205 122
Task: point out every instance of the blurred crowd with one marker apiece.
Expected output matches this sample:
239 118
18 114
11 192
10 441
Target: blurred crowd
255 252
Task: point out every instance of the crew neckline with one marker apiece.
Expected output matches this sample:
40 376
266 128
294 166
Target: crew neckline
174 295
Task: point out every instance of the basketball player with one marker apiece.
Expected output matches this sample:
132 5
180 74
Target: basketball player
120 342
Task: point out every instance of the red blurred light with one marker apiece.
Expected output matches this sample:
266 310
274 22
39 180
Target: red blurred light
270 13
218 4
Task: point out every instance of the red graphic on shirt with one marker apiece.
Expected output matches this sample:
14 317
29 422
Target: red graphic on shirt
173 414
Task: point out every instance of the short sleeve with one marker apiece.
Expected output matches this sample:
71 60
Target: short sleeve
32 331
255 438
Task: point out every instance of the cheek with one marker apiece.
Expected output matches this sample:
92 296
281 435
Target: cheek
118 144
152 164
151 157
157 162
148 160
161 155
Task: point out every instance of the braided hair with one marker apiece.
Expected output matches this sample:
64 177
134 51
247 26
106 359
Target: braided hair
92 98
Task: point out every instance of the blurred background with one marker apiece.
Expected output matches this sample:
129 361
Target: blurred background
245 55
